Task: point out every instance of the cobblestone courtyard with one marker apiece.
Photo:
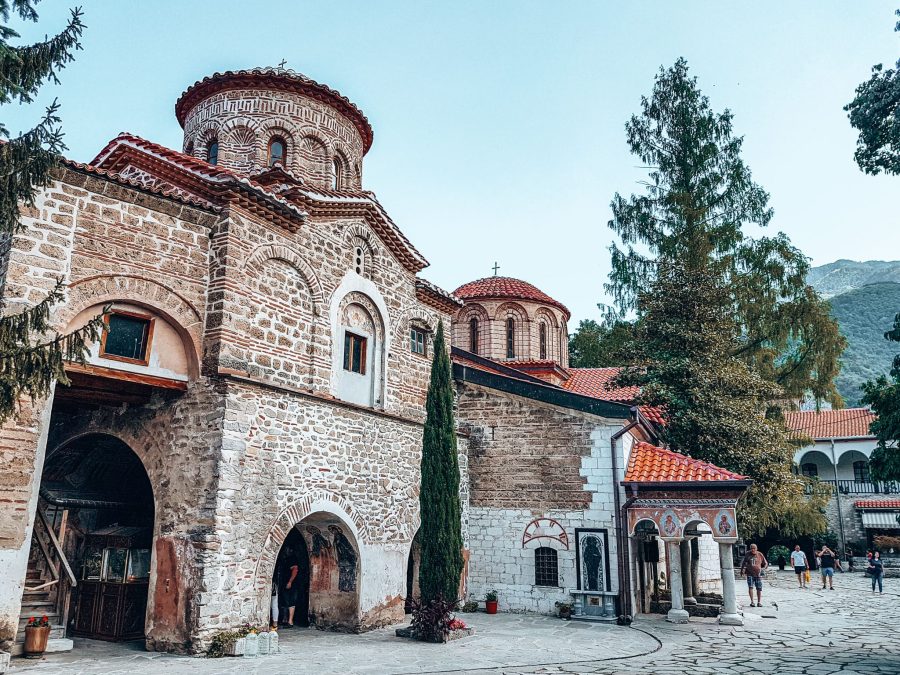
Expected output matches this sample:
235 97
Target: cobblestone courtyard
813 632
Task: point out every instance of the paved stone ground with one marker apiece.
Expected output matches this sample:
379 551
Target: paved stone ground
811 632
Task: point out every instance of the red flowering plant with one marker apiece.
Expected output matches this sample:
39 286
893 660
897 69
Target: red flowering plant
34 622
457 624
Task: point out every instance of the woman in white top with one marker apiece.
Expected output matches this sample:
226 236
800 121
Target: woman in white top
798 560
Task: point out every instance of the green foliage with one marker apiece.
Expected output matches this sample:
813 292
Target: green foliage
883 395
875 112
441 528
599 345
717 406
862 314
490 596
826 538
778 552
699 195
29 361
470 606
223 640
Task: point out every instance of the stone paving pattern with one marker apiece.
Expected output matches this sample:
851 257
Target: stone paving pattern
812 632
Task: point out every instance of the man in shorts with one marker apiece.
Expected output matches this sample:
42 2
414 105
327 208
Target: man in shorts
829 561
753 565
800 563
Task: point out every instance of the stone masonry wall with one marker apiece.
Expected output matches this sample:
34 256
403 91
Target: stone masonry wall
531 460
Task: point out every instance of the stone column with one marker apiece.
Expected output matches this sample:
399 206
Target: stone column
677 614
687 582
695 566
729 615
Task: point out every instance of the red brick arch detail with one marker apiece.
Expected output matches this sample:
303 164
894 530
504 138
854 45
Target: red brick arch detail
295 260
409 315
133 289
293 514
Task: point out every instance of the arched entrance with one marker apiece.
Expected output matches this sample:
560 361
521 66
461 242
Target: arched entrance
328 576
96 501
412 573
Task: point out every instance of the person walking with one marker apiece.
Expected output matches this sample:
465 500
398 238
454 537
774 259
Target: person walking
829 561
753 565
801 564
876 571
289 591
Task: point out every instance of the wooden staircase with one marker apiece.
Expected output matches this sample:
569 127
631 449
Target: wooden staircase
49 579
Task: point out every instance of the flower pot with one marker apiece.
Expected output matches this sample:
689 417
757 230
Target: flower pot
490 606
36 641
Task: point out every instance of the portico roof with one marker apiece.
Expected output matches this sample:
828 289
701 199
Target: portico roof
652 464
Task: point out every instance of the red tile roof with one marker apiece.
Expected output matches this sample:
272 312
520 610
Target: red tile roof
653 414
279 80
652 464
877 503
597 383
506 288
847 423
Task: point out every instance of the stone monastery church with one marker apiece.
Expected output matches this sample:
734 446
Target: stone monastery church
262 380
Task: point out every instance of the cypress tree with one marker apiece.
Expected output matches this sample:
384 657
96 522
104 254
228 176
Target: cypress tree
30 360
441 529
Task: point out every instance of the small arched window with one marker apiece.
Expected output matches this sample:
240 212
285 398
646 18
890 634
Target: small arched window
861 471
189 150
510 338
546 567
212 152
543 341
359 260
473 335
277 151
809 470
337 174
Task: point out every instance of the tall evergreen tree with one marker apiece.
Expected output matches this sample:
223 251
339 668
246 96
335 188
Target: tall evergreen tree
727 327
699 196
441 530
875 112
883 395
599 345
30 360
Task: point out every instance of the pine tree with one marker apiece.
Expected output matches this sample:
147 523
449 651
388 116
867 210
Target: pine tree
30 361
875 112
699 196
441 528
599 345
883 395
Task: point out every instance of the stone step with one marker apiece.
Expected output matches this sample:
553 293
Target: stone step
56 631
37 605
54 645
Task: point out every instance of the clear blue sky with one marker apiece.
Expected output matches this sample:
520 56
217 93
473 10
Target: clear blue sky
499 126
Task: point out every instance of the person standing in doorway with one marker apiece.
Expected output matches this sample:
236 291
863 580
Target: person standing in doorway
291 584
753 565
801 564
876 571
829 561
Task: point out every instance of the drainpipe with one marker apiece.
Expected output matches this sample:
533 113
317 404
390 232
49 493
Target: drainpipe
622 547
837 492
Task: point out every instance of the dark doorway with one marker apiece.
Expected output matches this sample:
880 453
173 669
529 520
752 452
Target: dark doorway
412 573
293 550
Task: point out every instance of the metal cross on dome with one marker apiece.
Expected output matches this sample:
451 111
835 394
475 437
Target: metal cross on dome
282 64
496 267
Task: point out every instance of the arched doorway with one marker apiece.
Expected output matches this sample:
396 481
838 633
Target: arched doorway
293 552
412 573
97 502
328 574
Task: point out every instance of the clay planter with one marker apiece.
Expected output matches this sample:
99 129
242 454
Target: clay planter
490 606
36 641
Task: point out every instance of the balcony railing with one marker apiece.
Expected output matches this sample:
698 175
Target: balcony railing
860 487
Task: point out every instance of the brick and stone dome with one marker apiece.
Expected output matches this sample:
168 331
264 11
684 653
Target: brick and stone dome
511 320
247 120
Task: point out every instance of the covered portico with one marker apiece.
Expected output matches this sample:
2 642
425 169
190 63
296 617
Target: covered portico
685 506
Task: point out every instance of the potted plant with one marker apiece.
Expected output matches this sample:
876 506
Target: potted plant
490 602
37 632
564 610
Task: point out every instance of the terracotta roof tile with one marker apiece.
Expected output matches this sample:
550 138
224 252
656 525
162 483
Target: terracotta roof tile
847 423
877 503
651 464
507 288
597 383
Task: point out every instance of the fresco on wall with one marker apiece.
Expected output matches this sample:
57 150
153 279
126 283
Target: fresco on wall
321 560
593 560
346 560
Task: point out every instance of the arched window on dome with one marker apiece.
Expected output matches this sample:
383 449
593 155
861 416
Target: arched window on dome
337 173
543 341
510 338
212 152
277 151
473 335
